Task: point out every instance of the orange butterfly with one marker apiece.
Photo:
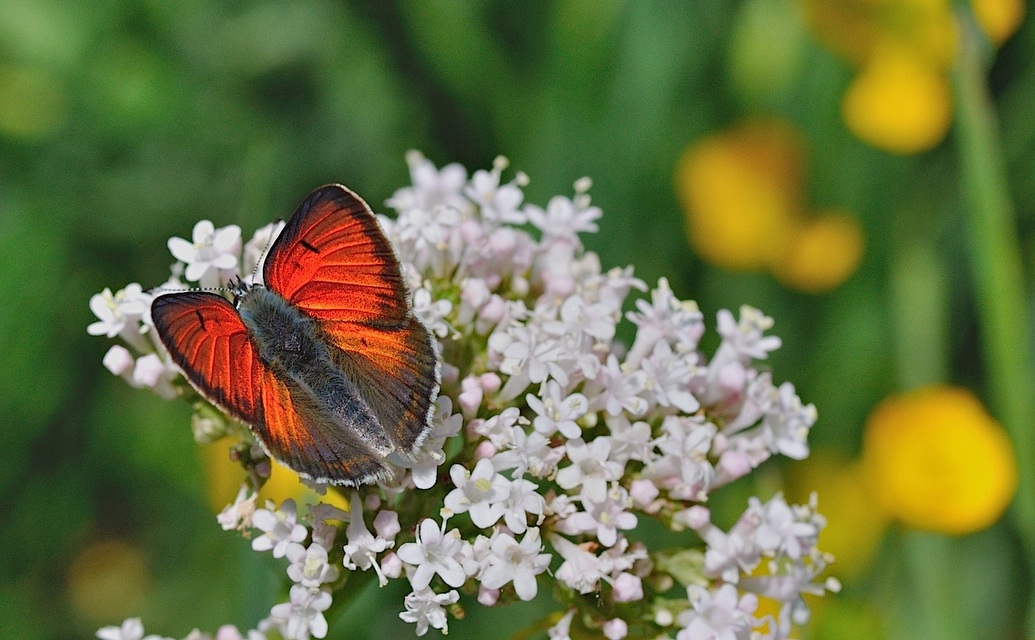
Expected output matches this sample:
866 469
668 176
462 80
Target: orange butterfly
326 363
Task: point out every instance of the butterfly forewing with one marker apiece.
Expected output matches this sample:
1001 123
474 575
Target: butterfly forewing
207 340
333 262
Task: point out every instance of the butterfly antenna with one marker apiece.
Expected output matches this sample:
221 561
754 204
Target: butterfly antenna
278 226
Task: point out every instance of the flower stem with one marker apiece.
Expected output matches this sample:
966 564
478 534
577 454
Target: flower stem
994 250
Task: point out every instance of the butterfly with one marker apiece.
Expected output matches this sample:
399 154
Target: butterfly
325 361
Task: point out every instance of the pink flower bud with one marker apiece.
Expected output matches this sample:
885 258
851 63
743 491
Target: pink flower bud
488 597
643 492
490 382
391 565
493 310
148 370
386 524
695 517
228 632
615 629
627 588
118 360
485 450
471 396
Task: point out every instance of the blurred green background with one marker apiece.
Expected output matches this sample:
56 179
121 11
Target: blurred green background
123 122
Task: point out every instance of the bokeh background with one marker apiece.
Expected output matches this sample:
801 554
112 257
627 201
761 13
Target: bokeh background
861 170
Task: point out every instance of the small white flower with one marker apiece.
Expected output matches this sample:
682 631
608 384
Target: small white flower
279 527
498 204
746 337
431 187
302 616
238 514
211 249
517 563
627 588
119 361
434 552
787 423
630 440
581 570
562 629
522 500
255 249
615 629
531 356
563 218
424 464
605 518
684 468
590 468
480 492
719 614
119 311
596 320
554 413
781 530
529 452
432 312
425 608
668 377
130 629
499 429
621 390
362 547
309 566
664 318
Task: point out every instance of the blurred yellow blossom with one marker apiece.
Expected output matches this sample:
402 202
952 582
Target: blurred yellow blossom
822 253
900 101
107 580
225 477
937 460
742 192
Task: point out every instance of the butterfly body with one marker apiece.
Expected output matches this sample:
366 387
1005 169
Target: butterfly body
291 345
326 362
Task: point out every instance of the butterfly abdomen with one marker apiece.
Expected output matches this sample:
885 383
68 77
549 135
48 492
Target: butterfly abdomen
290 343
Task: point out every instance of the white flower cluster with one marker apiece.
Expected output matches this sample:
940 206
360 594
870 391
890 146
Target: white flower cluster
552 440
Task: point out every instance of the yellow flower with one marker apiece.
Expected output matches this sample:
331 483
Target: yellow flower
225 477
108 580
936 460
740 190
998 18
822 253
899 103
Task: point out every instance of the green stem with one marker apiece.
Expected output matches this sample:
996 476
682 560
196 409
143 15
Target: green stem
994 250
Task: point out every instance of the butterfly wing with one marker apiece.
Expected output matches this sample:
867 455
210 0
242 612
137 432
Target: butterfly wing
207 339
333 261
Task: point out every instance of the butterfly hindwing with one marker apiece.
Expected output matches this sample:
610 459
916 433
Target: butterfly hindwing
296 434
207 340
333 262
